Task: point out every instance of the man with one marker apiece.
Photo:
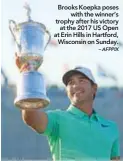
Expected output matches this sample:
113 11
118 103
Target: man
78 133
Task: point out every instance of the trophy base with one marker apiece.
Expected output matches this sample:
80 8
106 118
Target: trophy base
33 103
31 91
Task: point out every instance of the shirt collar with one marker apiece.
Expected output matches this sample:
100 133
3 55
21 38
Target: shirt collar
74 110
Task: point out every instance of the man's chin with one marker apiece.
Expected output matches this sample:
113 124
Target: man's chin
77 100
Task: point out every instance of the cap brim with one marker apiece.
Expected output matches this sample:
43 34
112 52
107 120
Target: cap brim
68 74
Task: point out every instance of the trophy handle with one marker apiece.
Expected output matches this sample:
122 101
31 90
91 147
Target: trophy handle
48 33
13 24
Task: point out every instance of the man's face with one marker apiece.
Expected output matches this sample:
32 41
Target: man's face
80 89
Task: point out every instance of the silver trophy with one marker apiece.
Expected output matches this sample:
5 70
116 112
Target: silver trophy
30 41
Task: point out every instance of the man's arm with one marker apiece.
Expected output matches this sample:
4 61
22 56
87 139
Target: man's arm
36 119
46 123
115 151
116 158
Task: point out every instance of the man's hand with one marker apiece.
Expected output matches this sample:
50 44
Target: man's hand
18 61
28 65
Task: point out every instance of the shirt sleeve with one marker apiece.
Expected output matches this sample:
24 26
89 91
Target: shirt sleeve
53 123
115 151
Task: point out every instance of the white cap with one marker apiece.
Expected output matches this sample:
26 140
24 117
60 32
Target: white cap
79 69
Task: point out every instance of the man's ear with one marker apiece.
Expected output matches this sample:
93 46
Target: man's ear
95 88
66 91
